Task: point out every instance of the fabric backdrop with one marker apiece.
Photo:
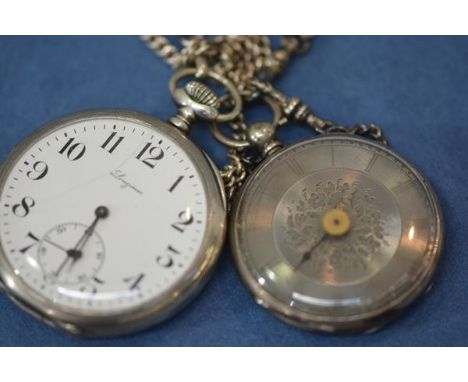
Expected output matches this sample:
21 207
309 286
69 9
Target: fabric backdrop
415 87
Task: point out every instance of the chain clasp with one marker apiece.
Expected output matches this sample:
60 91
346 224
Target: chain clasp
197 100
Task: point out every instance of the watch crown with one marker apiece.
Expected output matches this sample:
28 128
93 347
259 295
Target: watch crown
194 100
201 93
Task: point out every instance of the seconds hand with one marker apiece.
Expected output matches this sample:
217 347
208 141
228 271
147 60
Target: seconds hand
75 253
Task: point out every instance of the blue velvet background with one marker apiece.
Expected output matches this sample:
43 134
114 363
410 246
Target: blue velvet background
415 87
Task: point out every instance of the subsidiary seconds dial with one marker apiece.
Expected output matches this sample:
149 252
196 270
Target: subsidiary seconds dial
76 263
103 214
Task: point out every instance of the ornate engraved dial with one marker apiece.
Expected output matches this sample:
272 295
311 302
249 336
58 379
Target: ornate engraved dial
361 251
336 232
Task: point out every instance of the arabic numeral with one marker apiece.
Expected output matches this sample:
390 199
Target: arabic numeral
150 155
89 289
176 183
74 151
167 260
134 281
185 219
114 144
39 171
22 208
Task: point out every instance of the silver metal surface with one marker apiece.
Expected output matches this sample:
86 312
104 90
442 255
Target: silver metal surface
195 100
204 112
294 110
238 62
239 58
354 282
259 134
246 65
79 322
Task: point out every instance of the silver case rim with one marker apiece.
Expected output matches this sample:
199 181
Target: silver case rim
367 322
76 321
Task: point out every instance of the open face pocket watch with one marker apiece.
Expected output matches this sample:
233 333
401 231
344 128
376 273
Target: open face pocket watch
336 233
111 220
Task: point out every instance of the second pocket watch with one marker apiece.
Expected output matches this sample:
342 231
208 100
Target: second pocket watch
337 233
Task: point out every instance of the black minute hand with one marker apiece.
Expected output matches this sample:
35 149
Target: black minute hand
308 254
100 213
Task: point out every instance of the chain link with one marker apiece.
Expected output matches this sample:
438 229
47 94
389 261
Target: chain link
250 63
296 111
239 58
233 174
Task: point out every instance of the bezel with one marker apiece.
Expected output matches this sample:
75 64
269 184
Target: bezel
368 321
78 321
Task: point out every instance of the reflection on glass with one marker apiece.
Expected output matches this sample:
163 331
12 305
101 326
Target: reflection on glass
411 233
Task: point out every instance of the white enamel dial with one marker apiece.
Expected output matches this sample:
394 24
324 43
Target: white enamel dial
103 214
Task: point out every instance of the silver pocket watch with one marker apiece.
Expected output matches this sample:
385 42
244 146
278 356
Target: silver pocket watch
111 220
336 233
